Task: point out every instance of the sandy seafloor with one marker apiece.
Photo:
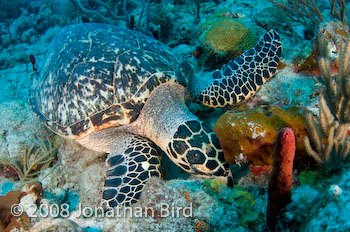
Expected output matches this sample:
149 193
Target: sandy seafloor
76 177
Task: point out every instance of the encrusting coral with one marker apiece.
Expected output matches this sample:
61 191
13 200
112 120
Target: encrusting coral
252 133
328 142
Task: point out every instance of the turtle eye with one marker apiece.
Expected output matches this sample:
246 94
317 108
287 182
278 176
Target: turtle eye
195 157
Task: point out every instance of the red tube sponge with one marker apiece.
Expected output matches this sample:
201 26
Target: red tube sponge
279 192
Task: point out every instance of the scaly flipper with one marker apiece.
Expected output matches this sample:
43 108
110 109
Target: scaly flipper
242 77
130 165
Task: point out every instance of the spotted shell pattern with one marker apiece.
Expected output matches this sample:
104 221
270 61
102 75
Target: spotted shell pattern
98 76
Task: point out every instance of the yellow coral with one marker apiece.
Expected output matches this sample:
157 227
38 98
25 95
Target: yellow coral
252 132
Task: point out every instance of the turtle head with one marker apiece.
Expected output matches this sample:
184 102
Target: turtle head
189 143
196 149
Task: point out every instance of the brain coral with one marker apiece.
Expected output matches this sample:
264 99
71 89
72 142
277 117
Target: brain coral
228 35
222 39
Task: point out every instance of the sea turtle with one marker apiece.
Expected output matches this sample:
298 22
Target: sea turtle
121 92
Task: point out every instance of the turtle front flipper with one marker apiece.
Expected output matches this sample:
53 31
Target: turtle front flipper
240 78
130 165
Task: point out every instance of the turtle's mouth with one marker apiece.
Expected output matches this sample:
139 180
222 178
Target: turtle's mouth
200 168
203 172
227 180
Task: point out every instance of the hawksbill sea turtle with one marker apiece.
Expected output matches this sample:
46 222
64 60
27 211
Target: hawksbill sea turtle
121 92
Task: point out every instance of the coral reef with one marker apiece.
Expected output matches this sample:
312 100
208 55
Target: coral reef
161 21
271 18
97 15
321 205
320 199
308 12
192 206
328 143
34 161
10 9
309 65
202 226
17 56
281 177
238 197
305 11
339 10
28 27
334 33
250 134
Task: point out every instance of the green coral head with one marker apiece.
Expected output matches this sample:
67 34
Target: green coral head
229 35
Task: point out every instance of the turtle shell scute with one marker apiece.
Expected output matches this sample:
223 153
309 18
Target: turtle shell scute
97 76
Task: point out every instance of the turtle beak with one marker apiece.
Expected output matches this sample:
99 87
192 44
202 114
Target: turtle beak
226 180
230 180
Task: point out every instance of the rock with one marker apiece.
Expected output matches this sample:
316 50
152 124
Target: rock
28 36
44 20
250 134
271 18
19 129
28 25
289 88
335 34
56 225
93 175
21 24
78 170
8 221
10 9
